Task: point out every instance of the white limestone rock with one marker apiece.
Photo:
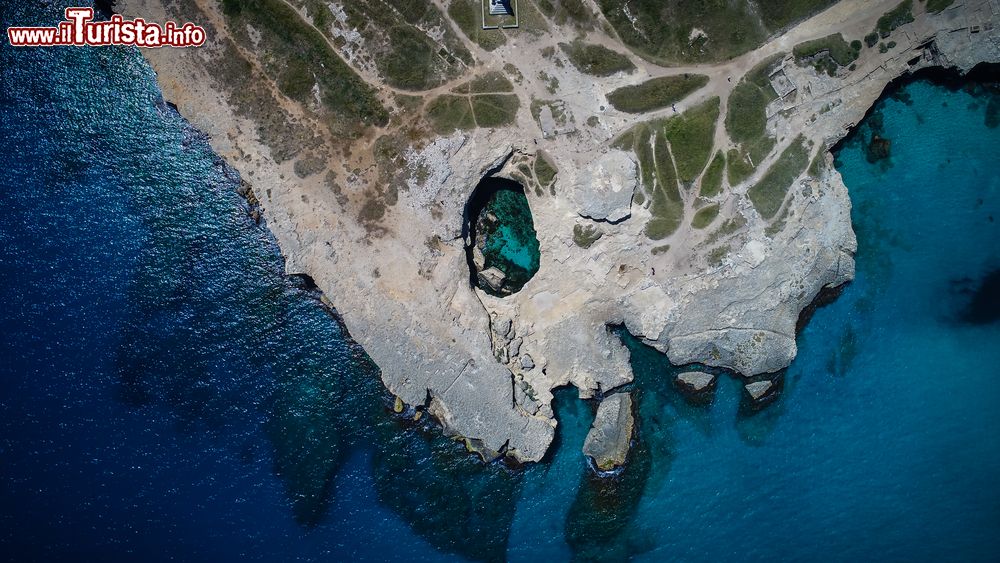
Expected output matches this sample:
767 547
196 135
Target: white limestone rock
608 441
603 189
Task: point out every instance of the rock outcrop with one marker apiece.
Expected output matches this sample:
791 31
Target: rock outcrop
696 382
604 188
607 443
394 264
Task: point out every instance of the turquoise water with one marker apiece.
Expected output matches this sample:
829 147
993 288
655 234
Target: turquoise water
505 231
166 393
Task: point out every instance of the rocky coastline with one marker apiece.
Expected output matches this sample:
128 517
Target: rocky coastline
485 366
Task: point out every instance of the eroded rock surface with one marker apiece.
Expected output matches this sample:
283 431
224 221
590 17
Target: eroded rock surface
607 443
696 381
379 226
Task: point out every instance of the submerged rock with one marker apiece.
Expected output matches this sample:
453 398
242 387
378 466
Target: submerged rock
760 391
879 148
608 441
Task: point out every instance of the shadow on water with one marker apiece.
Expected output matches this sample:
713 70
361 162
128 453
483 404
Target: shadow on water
601 522
447 496
984 303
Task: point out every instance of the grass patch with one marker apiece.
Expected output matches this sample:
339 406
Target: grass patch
739 168
447 113
495 110
585 236
596 60
746 119
411 43
818 165
938 6
661 29
692 136
493 81
574 12
778 14
769 193
556 107
827 53
711 182
717 255
705 216
899 16
545 171
728 228
409 62
655 94
285 36
467 15
666 205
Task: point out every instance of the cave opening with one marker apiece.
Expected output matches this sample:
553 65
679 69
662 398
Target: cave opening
501 244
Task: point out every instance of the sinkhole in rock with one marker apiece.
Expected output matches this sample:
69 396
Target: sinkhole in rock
500 241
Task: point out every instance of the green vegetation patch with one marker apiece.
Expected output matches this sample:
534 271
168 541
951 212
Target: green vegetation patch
938 6
491 82
705 216
711 182
895 18
717 255
664 30
827 53
411 43
585 236
666 204
557 108
545 171
447 113
818 165
729 227
739 167
746 119
692 136
573 12
778 14
743 161
306 59
596 60
656 93
769 193
467 15
495 110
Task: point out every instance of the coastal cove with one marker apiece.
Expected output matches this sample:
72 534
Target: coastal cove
170 392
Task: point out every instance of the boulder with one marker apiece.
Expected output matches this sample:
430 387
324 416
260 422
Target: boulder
607 443
603 189
492 278
696 381
759 390
527 363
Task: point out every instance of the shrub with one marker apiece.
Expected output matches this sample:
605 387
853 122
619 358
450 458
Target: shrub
596 60
656 93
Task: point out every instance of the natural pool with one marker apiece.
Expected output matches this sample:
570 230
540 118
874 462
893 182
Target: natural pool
165 390
502 235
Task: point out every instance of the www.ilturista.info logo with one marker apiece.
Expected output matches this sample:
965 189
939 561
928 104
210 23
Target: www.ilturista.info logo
79 29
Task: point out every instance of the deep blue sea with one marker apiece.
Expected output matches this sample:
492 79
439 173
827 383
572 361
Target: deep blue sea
166 394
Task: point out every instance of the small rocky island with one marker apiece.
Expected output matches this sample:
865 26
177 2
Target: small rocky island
676 183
